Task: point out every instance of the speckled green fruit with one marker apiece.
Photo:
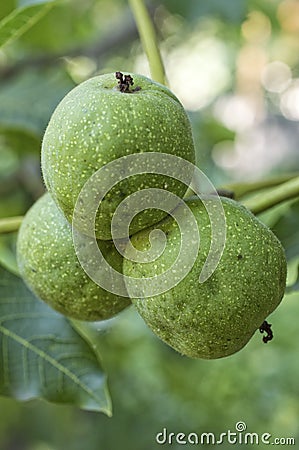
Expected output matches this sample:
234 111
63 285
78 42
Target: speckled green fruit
48 264
95 124
218 317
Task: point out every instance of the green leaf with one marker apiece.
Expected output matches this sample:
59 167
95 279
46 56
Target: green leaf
27 101
23 18
42 356
6 7
14 142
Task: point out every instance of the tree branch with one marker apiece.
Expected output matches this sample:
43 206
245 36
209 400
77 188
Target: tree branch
242 189
266 200
10 224
148 38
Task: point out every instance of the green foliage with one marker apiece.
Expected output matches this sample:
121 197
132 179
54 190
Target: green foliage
14 143
152 386
72 27
42 355
27 101
21 19
6 7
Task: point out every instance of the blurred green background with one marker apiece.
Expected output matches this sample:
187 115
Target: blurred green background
235 67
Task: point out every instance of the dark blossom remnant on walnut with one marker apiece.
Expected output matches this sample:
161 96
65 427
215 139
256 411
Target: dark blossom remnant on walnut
125 82
266 327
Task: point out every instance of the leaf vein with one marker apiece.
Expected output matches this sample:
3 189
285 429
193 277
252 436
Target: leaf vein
61 369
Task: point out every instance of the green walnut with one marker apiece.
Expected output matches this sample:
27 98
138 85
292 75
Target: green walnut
103 119
48 264
216 318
